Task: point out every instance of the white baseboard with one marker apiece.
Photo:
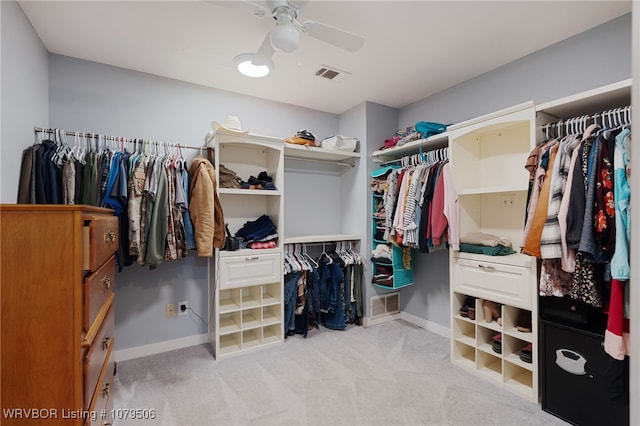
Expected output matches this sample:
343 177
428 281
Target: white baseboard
427 325
413 319
369 322
156 348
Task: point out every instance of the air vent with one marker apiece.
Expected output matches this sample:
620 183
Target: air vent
330 73
386 304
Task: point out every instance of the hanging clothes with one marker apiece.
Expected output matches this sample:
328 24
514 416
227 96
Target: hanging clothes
148 192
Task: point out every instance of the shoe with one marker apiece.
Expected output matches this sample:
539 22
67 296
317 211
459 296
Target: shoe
523 323
263 176
496 343
491 311
469 304
526 354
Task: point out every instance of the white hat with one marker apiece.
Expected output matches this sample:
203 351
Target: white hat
231 123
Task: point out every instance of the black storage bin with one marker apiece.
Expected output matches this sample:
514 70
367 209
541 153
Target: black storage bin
573 377
567 311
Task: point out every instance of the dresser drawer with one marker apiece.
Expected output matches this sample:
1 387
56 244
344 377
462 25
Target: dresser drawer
97 355
498 282
250 269
101 240
98 289
102 399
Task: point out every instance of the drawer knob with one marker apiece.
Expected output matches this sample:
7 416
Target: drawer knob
487 267
105 343
109 237
106 282
105 390
252 258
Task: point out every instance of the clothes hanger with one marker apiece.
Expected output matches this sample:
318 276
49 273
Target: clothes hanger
309 258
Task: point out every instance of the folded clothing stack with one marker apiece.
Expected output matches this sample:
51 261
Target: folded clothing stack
383 275
489 244
260 230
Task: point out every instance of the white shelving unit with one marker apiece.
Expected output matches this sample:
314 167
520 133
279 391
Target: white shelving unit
488 154
248 308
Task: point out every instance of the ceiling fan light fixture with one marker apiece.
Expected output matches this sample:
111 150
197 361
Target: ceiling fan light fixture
244 64
285 36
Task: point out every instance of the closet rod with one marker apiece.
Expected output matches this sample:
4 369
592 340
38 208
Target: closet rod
325 243
611 115
313 160
96 135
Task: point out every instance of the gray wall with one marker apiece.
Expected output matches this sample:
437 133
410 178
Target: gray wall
91 97
591 59
25 93
594 58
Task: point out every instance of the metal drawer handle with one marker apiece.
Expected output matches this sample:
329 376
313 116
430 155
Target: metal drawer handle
106 282
105 343
252 258
487 267
106 389
109 237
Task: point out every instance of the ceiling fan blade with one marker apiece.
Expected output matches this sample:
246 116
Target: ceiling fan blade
254 7
265 53
332 35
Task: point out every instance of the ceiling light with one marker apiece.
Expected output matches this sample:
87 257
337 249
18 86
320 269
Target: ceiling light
244 64
285 36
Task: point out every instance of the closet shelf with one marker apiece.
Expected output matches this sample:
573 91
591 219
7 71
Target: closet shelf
324 238
300 152
250 192
595 100
492 189
394 287
440 140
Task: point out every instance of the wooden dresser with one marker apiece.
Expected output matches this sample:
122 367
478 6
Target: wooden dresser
57 266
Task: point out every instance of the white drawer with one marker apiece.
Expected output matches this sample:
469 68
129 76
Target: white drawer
498 282
250 269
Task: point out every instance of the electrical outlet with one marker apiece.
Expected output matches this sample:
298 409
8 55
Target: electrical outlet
171 310
508 201
183 308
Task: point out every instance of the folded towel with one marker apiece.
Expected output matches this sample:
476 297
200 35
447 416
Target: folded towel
488 250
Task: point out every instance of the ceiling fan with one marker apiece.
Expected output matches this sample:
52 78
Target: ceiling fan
285 36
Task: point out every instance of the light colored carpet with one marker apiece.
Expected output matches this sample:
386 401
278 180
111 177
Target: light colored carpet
390 374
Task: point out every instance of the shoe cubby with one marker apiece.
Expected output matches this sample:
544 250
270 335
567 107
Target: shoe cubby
519 379
251 338
229 343
249 317
484 320
270 314
251 297
485 340
229 322
229 300
272 334
271 294
473 346
464 354
489 365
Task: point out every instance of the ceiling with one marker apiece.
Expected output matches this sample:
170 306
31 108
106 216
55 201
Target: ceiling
413 49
